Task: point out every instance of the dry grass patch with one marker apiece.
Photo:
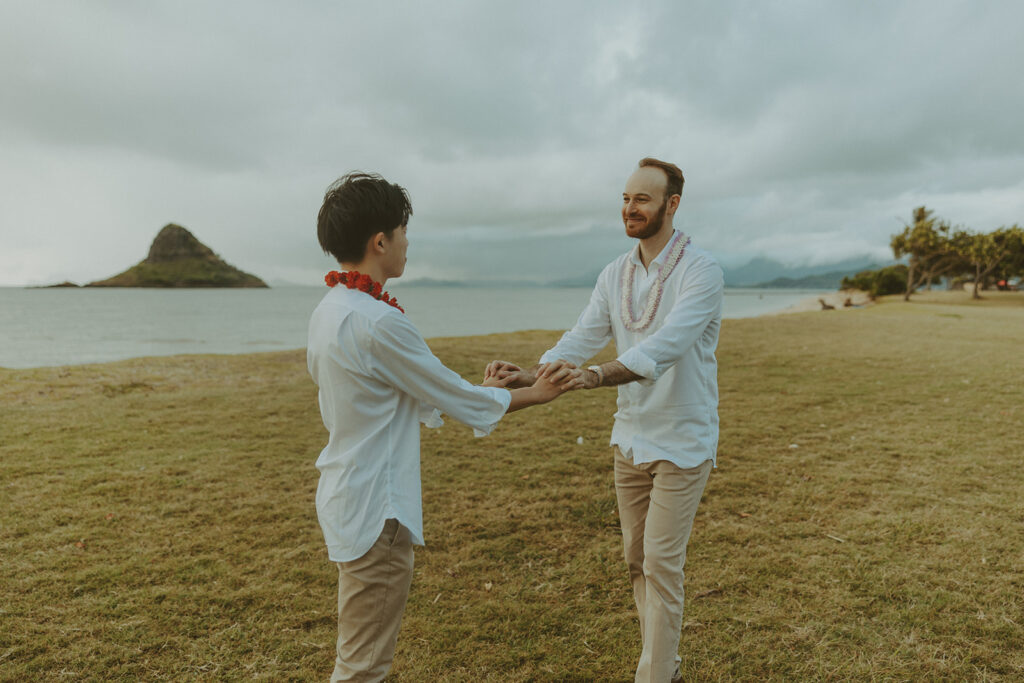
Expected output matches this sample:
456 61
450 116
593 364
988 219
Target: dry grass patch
864 521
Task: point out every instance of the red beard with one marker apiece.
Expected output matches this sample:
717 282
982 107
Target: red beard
650 228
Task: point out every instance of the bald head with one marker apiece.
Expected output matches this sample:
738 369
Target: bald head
649 181
673 174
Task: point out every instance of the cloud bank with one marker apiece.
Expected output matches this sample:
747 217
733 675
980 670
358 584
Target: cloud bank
807 131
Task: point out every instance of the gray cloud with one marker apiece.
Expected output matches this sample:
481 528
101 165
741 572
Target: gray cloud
807 130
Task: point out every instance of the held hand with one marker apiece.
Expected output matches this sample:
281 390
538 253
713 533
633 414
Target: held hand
499 367
558 378
560 371
500 382
519 379
551 387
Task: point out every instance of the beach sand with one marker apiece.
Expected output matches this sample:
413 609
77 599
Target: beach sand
858 299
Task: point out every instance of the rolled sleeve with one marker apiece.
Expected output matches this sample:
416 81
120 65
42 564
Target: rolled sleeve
639 363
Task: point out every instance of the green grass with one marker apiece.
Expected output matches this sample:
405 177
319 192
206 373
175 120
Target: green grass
864 523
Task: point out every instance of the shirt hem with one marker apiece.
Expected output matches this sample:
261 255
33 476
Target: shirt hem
338 553
682 463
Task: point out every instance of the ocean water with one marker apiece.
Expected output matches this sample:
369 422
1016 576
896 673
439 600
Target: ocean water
51 327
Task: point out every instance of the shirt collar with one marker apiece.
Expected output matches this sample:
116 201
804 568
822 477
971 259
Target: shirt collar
662 255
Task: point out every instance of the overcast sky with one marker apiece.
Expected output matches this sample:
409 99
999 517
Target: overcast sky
807 131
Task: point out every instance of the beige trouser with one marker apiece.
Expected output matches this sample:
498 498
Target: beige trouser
372 591
657 504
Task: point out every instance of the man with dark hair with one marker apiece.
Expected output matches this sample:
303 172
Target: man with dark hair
356 206
662 304
377 381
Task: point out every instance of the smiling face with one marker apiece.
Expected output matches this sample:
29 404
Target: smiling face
645 208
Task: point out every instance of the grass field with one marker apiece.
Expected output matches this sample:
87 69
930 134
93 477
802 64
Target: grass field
865 521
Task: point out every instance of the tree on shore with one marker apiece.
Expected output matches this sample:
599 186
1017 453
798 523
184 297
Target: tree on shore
930 247
888 280
986 252
1013 265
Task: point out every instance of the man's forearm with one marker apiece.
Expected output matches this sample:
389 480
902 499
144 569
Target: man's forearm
522 397
611 374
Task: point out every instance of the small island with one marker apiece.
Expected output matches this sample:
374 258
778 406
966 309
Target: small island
177 259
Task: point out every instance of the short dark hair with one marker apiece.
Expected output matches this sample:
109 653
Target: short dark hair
356 207
674 173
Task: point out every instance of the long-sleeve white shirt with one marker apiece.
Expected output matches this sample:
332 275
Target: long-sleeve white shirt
672 413
377 381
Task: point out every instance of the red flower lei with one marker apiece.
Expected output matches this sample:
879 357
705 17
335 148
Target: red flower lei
364 283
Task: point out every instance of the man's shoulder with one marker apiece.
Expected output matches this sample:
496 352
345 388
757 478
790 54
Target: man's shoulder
700 266
358 312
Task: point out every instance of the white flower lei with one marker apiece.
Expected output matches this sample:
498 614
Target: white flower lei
675 254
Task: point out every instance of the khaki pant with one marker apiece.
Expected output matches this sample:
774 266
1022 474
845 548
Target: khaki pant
657 504
372 591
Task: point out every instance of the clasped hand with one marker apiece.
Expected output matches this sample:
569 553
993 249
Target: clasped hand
558 376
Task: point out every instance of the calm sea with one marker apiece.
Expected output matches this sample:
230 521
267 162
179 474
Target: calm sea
47 327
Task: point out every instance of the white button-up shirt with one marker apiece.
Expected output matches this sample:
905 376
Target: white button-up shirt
672 413
378 380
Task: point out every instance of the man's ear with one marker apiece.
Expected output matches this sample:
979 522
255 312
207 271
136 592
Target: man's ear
377 242
673 203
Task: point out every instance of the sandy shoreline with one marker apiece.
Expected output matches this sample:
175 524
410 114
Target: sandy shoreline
856 298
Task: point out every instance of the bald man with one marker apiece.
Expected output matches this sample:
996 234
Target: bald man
662 304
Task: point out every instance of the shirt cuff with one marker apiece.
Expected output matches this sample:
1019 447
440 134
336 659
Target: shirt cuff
641 364
430 416
504 398
479 433
548 357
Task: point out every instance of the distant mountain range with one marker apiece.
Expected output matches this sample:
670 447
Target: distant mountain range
764 272
824 281
767 273
759 273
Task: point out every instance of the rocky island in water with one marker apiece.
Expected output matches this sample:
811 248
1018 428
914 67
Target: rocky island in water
177 259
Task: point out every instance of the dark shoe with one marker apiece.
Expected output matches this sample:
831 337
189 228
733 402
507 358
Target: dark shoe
677 677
